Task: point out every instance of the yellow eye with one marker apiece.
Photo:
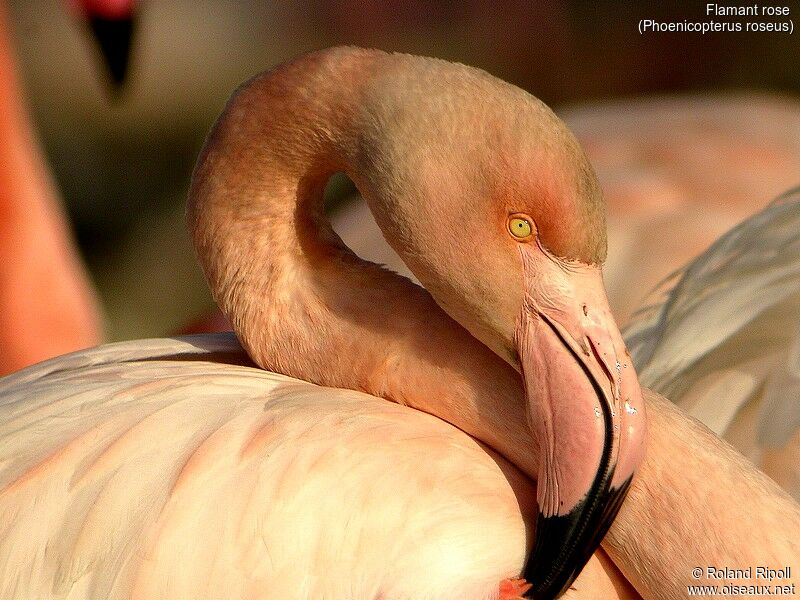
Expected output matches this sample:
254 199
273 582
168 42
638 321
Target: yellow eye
520 227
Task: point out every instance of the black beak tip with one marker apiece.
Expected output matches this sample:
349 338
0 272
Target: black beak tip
551 567
565 543
114 37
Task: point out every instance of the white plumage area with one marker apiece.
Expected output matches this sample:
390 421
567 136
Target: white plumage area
173 469
163 469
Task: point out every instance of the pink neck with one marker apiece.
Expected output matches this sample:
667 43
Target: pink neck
302 303
47 306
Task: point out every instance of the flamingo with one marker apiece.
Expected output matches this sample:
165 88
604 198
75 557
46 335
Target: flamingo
47 303
154 440
550 320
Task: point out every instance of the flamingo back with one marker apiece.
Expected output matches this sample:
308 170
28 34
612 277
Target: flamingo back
173 469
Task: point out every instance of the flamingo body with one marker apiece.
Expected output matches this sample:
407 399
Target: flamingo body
167 470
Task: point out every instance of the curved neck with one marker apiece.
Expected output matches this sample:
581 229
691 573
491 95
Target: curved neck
302 303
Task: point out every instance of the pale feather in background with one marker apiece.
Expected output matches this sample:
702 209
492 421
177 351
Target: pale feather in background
724 342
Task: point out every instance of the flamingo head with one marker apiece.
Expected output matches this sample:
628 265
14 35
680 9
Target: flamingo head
497 211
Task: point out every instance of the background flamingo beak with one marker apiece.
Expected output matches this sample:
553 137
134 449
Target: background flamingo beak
585 408
112 23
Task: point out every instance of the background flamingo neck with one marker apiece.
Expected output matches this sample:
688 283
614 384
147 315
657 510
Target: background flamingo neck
302 303
47 306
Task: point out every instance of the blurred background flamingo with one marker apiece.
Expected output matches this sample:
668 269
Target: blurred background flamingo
47 305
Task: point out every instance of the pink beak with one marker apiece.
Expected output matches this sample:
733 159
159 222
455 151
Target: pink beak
585 408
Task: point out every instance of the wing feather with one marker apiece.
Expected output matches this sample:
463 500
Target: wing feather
724 342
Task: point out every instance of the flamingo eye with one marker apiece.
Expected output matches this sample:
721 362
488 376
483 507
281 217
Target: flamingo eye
520 227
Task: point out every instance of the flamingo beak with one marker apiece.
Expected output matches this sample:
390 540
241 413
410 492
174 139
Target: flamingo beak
586 410
112 23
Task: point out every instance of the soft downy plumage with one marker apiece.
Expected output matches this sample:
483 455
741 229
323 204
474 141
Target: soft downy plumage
175 469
